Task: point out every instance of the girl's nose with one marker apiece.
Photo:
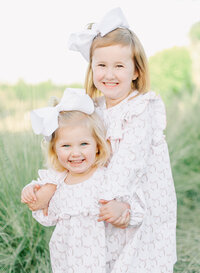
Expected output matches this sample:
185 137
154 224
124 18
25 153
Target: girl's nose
75 151
110 74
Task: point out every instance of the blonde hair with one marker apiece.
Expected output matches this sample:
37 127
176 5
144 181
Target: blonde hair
124 37
92 122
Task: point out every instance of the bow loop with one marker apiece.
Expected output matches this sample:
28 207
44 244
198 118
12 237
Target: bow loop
112 20
82 41
45 120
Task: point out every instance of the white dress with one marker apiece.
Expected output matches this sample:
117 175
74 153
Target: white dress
78 243
141 162
139 165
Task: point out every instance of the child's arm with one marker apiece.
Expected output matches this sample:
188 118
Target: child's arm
119 213
28 193
45 220
38 193
43 196
36 196
49 219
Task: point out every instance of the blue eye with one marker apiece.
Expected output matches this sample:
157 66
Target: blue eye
66 145
84 144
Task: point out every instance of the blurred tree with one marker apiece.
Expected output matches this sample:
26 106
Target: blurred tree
194 49
194 33
170 72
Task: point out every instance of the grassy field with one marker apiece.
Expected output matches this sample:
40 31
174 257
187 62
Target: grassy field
23 242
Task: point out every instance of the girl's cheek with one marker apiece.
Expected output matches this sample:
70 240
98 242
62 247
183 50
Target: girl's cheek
62 155
98 74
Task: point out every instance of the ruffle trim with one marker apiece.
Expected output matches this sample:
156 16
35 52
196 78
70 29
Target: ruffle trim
51 176
116 116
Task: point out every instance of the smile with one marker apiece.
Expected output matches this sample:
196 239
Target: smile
74 162
110 84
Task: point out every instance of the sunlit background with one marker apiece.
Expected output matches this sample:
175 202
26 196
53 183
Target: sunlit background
36 64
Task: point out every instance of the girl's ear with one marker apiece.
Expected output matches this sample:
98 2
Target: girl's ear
135 75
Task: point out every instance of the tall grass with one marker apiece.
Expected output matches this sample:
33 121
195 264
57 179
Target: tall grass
183 137
24 243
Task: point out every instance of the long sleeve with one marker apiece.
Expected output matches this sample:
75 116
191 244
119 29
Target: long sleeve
140 162
130 135
53 177
50 220
135 129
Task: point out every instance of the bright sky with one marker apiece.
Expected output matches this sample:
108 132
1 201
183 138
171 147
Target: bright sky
34 33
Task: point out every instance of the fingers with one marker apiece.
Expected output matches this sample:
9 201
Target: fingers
36 187
28 198
114 212
122 221
103 202
107 206
104 217
35 206
28 194
30 207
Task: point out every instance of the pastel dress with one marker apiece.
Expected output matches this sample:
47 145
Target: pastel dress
141 162
78 243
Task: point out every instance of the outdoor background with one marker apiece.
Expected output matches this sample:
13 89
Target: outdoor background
30 73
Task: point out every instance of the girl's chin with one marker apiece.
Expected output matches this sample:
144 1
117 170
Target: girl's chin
79 171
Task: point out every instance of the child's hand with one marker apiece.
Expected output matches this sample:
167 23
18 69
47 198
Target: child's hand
28 194
123 221
114 212
37 206
43 196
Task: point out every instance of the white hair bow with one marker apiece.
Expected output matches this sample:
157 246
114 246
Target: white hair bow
45 120
82 41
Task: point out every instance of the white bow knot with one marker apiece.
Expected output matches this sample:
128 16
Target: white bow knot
82 41
45 120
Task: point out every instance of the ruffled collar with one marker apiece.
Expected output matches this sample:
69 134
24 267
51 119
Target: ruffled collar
131 106
136 102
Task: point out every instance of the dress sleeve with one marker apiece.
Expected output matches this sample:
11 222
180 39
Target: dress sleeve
128 165
50 220
53 212
48 176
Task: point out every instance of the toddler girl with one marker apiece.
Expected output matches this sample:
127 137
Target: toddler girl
77 152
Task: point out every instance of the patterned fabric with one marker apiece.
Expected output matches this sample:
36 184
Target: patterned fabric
139 172
141 162
78 243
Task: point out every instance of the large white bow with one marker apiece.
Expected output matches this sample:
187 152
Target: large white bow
82 41
45 120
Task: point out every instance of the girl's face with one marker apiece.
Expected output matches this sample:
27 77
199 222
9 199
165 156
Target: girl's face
113 72
76 149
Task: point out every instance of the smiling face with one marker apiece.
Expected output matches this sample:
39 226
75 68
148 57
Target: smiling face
76 148
113 72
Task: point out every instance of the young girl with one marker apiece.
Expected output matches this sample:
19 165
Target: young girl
77 152
135 119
